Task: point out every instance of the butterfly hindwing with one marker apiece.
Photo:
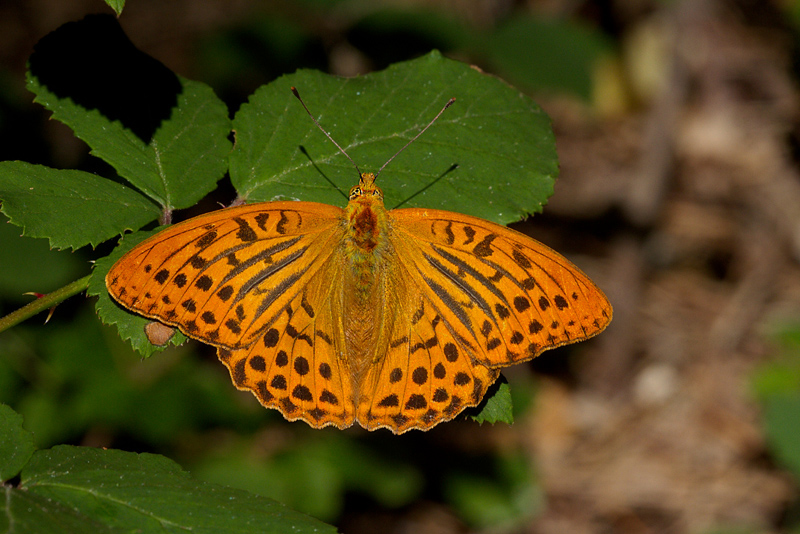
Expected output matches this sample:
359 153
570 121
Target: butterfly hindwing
295 366
426 375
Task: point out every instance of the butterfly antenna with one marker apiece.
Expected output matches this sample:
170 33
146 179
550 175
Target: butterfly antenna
297 94
449 103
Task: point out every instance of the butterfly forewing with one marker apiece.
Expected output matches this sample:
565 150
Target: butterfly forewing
504 296
224 277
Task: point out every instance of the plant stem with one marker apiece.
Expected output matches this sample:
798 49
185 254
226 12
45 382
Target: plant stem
41 304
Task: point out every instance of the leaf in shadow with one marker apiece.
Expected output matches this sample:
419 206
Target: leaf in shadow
93 62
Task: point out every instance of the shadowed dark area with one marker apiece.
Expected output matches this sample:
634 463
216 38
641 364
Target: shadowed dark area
94 63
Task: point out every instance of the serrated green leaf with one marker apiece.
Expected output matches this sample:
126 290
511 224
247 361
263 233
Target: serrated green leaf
116 5
182 162
192 147
496 405
79 489
130 326
491 154
71 208
167 136
16 443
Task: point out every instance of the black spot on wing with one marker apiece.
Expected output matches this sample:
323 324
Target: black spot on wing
204 283
448 231
281 226
520 259
484 248
245 233
470 233
225 293
206 240
261 220
161 276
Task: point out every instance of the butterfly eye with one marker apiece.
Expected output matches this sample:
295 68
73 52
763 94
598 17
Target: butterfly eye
377 193
355 192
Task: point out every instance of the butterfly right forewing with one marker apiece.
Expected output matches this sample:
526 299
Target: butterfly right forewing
506 294
222 277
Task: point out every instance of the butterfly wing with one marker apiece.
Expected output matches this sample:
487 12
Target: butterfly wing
299 366
222 277
508 294
424 373
255 282
481 296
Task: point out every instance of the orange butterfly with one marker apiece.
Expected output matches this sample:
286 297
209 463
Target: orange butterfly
393 319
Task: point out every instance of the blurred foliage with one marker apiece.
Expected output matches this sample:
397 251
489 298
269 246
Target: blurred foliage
558 55
776 385
503 497
16 275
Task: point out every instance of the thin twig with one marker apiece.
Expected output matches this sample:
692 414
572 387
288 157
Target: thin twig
44 303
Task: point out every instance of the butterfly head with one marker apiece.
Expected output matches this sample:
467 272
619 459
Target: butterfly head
366 188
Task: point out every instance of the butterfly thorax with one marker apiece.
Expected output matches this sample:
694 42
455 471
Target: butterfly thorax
367 231
366 247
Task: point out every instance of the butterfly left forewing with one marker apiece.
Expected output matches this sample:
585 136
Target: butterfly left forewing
505 293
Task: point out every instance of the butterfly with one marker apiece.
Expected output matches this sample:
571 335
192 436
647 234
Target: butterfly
396 319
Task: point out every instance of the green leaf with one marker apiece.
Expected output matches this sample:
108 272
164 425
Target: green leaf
16 443
180 164
76 489
777 385
130 326
167 136
496 405
116 5
491 154
71 208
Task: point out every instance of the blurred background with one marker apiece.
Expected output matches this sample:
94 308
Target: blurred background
678 135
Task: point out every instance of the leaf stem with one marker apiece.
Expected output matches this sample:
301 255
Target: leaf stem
41 304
